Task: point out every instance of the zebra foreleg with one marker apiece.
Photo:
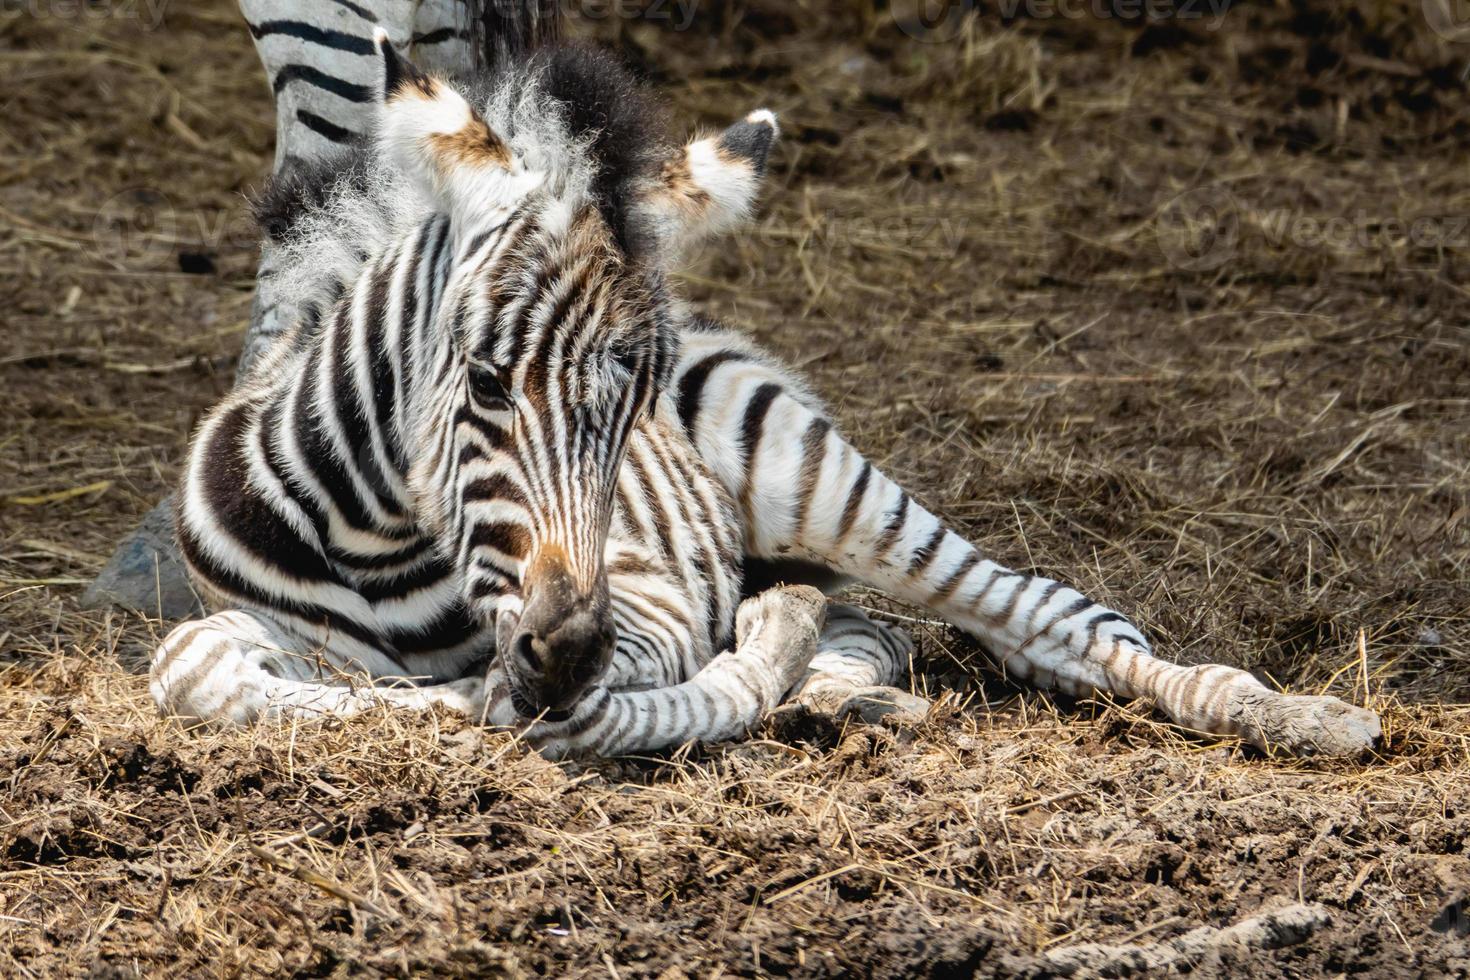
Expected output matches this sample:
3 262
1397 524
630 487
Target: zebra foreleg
237 667
776 639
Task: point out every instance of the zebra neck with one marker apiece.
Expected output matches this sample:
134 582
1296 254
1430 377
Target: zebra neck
344 407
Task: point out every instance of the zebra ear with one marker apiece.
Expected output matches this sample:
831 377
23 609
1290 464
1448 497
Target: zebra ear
712 184
436 137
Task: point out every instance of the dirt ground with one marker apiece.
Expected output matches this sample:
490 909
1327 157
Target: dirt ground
1174 311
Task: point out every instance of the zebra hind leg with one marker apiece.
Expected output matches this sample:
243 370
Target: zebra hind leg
858 664
236 667
843 513
1220 700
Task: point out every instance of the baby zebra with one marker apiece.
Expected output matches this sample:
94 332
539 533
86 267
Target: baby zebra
497 465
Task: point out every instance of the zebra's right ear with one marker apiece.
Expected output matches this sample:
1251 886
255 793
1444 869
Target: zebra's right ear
437 138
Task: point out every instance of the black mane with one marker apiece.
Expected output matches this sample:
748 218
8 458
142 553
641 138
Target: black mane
622 125
302 186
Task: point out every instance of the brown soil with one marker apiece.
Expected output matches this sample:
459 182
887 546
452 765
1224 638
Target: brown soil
975 245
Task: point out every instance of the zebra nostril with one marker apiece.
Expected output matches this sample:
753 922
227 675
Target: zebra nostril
525 646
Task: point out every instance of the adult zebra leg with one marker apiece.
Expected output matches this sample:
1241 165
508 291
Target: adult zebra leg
806 494
776 638
238 666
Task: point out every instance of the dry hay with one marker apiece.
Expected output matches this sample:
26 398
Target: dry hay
1262 460
400 843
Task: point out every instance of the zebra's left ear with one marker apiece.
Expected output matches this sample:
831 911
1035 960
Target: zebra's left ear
436 137
711 186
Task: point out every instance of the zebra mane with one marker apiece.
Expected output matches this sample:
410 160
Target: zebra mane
568 111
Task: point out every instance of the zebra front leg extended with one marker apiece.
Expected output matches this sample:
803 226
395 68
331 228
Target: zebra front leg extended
806 494
236 667
776 638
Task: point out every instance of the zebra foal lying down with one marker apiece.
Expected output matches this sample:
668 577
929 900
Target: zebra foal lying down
496 464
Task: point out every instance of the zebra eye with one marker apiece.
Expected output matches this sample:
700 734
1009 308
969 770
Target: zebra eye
625 357
487 387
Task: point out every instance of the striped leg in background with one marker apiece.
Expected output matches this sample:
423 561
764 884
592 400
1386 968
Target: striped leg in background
806 494
325 73
324 69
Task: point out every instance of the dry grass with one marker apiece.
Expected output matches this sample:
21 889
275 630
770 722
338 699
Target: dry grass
404 844
1263 461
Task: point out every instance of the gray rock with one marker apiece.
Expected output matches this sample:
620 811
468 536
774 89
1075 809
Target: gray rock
145 573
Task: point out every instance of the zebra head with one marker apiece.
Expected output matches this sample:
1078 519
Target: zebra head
557 337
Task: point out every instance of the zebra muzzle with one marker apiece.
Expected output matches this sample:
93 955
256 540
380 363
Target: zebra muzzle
562 643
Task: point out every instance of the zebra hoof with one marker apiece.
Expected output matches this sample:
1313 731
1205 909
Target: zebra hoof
1310 725
871 704
781 625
